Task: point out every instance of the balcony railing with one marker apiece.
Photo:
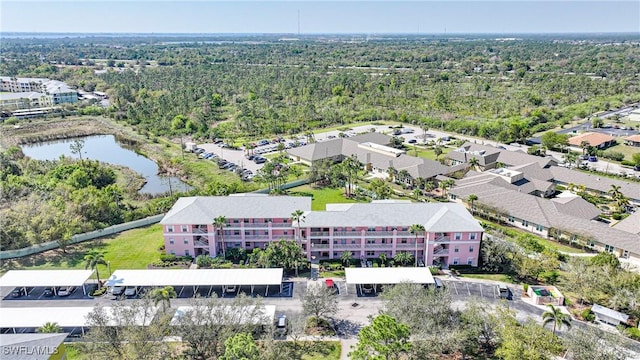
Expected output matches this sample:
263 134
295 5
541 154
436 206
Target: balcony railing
347 233
406 233
319 233
441 251
442 239
379 233
346 246
255 225
377 246
406 246
199 230
319 246
200 243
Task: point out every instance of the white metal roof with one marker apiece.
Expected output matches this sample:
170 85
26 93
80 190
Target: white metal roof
241 315
29 278
64 316
384 276
196 277
598 309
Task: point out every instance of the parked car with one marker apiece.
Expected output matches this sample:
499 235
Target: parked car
503 291
231 289
198 150
413 141
131 291
260 160
48 292
593 159
368 288
438 283
66 290
17 292
117 290
281 325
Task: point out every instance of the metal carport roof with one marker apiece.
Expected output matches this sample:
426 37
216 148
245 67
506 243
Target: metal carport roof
66 317
390 275
36 278
196 277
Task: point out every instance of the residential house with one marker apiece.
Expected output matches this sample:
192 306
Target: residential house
633 140
252 221
594 139
34 93
372 151
567 217
451 236
489 157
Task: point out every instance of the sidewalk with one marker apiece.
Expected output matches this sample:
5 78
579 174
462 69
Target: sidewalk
346 347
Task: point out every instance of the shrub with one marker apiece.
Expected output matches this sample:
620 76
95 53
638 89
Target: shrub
203 261
525 287
168 257
616 216
628 163
100 291
633 332
588 315
613 155
186 259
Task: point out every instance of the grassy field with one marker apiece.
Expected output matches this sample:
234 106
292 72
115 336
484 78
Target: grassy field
133 249
321 196
427 153
627 150
494 277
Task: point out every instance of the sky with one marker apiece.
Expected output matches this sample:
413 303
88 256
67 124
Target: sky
319 16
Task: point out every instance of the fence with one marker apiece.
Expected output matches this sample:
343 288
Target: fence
34 249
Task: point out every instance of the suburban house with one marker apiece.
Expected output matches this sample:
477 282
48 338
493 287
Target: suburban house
252 221
609 316
595 139
27 93
371 150
567 217
489 157
451 236
594 183
633 140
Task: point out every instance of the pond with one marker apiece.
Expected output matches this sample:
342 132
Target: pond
105 148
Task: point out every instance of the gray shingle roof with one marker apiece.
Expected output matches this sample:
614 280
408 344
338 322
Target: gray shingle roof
630 224
629 188
436 217
203 209
492 155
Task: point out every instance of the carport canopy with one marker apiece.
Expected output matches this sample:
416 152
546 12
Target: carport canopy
65 317
389 276
45 278
37 278
238 314
196 277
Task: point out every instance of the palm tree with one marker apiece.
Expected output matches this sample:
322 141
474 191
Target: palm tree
615 192
585 146
416 229
403 258
556 316
92 260
298 217
474 162
219 223
417 193
392 173
383 259
346 257
163 295
404 176
622 202
50 328
471 199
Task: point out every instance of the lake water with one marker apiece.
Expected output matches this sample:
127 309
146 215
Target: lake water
105 148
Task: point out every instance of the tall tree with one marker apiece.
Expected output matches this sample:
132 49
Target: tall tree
416 230
319 301
557 317
76 147
219 223
385 338
472 199
346 257
92 259
164 296
298 217
240 347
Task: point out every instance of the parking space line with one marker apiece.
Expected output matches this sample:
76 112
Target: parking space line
455 287
468 290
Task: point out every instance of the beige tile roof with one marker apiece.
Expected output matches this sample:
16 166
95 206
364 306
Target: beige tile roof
593 138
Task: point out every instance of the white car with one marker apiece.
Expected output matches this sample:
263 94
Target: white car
130 291
66 290
117 290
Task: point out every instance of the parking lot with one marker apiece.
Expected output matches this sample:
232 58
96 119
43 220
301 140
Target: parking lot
465 289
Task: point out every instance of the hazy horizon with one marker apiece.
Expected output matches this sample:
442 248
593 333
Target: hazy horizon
320 17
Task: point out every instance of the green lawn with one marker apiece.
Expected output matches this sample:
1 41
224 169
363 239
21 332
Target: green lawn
494 277
627 150
133 249
427 153
321 196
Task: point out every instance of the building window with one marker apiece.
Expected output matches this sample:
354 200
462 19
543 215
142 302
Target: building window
511 219
353 241
169 228
184 228
235 221
453 197
472 236
186 253
525 223
335 254
458 236
247 232
173 252
455 249
403 241
171 241
186 241
246 221
456 261
371 253
470 261
539 228
609 248
471 248
236 232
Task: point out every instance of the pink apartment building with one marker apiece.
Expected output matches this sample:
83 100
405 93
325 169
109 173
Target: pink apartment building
451 237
